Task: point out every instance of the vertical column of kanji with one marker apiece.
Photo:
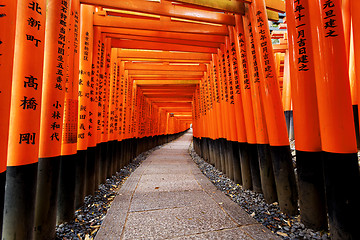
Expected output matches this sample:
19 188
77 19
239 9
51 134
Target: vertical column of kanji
307 130
128 110
335 116
66 191
92 109
212 123
212 118
133 117
227 116
206 118
274 115
125 116
7 43
85 62
117 112
231 123
228 77
260 160
23 143
121 112
217 115
217 93
112 98
219 112
105 135
131 122
202 121
224 96
140 146
244 117
101 112
223 109
96 104
235 97
52 109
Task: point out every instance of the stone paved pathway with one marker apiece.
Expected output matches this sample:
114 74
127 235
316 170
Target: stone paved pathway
168 197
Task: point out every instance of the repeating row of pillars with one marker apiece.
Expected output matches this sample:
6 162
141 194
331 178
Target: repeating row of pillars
70 114
239 123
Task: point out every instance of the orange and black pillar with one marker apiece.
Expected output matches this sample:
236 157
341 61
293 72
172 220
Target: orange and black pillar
273 111
23 143
7 36
52 113
66 191
307 130
338 140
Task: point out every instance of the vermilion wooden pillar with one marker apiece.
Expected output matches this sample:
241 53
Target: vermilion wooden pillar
23 143
273 111
52 115
7 36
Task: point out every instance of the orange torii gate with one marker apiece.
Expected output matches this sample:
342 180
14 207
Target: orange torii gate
107 80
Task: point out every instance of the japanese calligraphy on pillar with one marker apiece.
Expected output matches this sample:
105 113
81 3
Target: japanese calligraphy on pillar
230 76
243 56
86 48
235 67
27 83
220 78
253 54
216 80
70 114
224 77
264 43
301 36
330 24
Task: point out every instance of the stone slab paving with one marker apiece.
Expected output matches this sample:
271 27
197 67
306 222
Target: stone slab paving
168 197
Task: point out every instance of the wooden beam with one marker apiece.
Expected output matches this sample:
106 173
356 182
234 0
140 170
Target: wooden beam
166 82
167 26
274 5
233 6
136 44
161 60
162 67
272 15
165 55
155 72
168 88
166 78
165 40
162 34
165 9
173 105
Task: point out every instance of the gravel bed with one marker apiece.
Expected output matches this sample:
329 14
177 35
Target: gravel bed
89 217
254 204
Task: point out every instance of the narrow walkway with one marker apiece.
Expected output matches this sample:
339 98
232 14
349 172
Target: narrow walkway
168 197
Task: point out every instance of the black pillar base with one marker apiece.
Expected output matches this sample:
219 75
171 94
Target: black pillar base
285 179
19 203
268 185
80 178
66 192
46 197
311 189
254 167
341 172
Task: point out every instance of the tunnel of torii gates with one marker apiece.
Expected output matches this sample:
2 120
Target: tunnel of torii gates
87 85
